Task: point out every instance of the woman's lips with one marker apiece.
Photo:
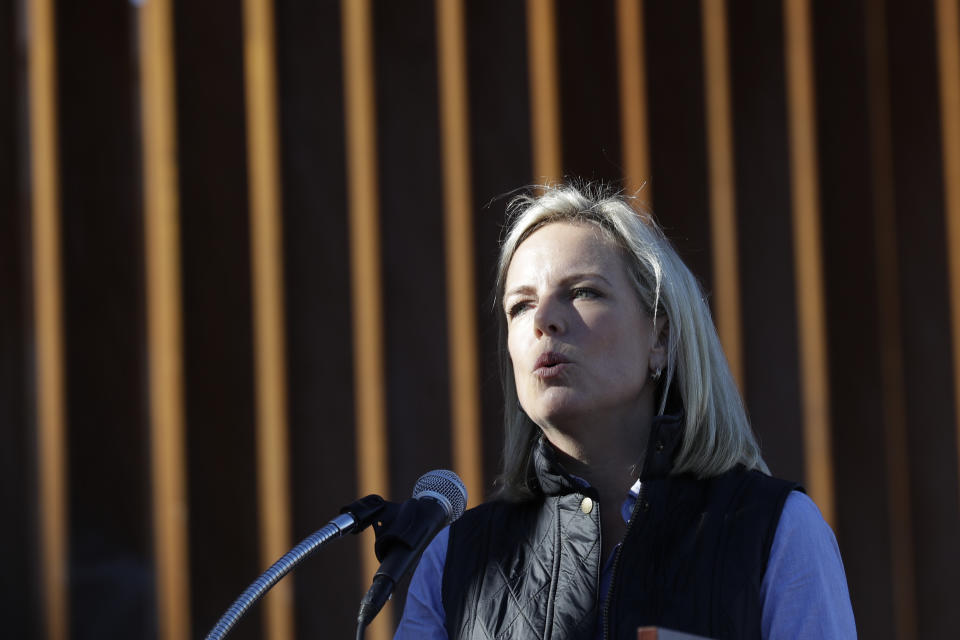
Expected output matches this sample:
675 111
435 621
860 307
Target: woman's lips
550 365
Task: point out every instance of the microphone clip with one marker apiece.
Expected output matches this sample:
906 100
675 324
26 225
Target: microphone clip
368 510
405 526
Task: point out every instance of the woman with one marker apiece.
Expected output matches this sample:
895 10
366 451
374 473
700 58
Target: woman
633 491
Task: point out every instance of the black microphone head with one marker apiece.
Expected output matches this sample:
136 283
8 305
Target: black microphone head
445 487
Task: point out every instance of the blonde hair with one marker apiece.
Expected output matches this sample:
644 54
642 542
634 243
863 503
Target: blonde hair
716 432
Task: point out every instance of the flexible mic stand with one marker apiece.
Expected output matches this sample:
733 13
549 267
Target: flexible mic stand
353 518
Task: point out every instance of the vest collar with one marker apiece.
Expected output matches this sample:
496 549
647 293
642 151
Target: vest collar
666 434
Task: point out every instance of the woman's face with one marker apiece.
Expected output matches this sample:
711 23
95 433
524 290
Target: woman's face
581 345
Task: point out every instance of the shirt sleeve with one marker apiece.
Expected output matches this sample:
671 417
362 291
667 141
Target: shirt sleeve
804 590
423 615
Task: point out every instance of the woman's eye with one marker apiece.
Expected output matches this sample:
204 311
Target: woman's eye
517 308
585 292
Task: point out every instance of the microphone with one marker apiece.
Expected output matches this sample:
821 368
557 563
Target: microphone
439 498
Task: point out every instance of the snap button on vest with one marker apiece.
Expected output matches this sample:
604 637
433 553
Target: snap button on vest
586 505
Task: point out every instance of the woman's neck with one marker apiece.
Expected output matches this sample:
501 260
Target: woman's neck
608 459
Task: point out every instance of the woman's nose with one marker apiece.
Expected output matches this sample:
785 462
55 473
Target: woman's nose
548 318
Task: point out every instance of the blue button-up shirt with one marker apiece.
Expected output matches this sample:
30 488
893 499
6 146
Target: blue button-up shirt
803 593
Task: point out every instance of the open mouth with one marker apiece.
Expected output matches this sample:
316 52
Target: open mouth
549 365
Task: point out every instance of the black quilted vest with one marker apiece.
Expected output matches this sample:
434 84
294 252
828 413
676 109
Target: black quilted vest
692 559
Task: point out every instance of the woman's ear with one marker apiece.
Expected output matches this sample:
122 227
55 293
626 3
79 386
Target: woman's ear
658 350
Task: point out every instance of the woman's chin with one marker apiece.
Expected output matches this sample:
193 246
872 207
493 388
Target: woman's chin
559 412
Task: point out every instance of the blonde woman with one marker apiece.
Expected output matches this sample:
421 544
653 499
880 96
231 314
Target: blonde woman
633 490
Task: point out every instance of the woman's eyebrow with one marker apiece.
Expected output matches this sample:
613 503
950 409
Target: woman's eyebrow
586 275
523 288
573 277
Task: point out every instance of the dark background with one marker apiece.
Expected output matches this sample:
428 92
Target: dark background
883 250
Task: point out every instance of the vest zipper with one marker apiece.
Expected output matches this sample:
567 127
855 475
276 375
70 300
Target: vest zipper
616 561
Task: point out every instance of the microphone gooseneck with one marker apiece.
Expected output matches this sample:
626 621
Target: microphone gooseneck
353 518
337 527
